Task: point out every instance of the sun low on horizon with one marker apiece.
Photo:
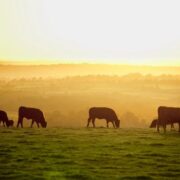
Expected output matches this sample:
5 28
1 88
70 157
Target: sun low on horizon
110 31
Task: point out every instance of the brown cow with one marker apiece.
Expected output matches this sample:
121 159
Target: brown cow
4 119
168 115
31 113
103 113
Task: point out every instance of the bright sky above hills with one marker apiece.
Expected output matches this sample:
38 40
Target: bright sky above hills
143 32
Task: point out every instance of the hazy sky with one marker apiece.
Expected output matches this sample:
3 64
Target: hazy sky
93 31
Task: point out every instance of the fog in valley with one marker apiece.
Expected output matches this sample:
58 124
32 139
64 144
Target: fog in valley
66 92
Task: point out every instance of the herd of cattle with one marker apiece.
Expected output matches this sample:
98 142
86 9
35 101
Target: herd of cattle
166 116
36 115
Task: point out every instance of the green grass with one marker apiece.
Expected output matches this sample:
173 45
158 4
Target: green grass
59 153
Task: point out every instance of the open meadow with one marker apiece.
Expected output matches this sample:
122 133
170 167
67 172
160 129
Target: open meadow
88 153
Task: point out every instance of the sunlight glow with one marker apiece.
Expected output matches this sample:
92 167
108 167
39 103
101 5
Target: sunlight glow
107 31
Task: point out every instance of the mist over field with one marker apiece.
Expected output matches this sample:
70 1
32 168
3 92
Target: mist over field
66 92
13 71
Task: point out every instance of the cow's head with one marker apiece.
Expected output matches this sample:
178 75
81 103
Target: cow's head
154 123
117 123
10 123
44 124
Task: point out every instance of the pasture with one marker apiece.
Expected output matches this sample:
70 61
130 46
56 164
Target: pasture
88 153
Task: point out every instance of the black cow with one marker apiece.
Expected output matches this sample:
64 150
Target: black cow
4 119
168 115
103 113
31 113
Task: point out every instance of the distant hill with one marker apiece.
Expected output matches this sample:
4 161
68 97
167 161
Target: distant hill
63 70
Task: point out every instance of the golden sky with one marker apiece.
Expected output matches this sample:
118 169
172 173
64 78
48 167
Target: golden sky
143 32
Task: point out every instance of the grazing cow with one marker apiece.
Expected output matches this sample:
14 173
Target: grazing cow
103 113
168 115
4 119
31 113
155 121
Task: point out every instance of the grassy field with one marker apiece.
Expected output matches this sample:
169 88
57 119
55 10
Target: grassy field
65 153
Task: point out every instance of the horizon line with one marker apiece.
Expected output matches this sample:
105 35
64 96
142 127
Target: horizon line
45 63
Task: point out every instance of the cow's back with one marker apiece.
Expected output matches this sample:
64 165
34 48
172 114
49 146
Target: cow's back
29 113
102 112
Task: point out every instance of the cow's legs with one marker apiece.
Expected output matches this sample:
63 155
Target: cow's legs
37 124
113 124
172 126
164 126
4 124
107 124
179 126
32 123
157 127
21 124
93 122
20 121
89 120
